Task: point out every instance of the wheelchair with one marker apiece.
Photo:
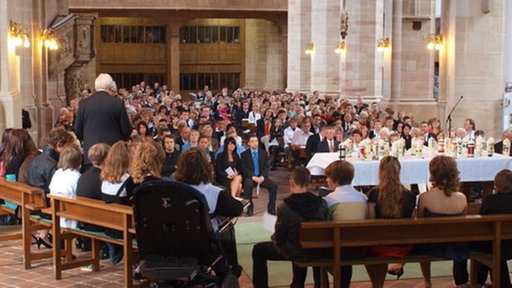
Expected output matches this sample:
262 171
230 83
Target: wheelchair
177 244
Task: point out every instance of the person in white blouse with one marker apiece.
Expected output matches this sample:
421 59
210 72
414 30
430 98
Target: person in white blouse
289 132
65 179
298 142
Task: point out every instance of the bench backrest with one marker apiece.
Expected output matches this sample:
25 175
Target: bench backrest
405 231
16 191
470 228
93 211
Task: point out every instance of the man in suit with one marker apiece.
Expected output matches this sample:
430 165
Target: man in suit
498 146
255 168
377 125
242 114
330 144
263 127
312 143
101 117
426 134
316 125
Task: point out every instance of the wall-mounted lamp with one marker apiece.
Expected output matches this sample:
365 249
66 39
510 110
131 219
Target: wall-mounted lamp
383 44
49 39
310 48
340 47
18 34
435 41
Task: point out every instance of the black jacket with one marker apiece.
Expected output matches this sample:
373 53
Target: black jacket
248 166
312 146
221 164
101 118
324 146
42 168
295 209
498 148
170 161
89 184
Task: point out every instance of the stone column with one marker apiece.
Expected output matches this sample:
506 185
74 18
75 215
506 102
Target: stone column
325 63
299 35
412 68
173 55
396 40
13 82
363 64
387 54
474 46
263 46
273 56
508 42
284 54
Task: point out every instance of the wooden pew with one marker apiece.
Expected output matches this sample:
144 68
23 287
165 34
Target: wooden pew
28 198
96 212
337 236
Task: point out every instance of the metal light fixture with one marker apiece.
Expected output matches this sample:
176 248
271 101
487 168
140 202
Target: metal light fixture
435 41
49 39
340 47
383 44
310 48
18 34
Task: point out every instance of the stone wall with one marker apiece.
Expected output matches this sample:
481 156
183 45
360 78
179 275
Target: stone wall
263 55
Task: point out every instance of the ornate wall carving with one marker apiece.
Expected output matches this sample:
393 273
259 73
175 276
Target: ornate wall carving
75 34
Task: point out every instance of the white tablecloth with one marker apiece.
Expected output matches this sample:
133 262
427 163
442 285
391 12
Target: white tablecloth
414 170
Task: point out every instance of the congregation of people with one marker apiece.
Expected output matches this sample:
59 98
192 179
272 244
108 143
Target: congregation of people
226 145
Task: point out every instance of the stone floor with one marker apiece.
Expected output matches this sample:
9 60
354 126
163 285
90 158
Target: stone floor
12 273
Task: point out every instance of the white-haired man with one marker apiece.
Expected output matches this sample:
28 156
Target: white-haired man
101 117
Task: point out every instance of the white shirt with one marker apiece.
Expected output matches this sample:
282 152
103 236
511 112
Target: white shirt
300 138
346 203
288 135
254 117
110 188
345 193
211 193
64 183
470 134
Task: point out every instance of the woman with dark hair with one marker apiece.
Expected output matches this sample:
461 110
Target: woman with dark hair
19 150
399 127
406 134
441 201
229 161
194 169
4 146
388 200
143 129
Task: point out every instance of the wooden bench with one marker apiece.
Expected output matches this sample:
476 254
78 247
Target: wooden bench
29 199
345 234
95 212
